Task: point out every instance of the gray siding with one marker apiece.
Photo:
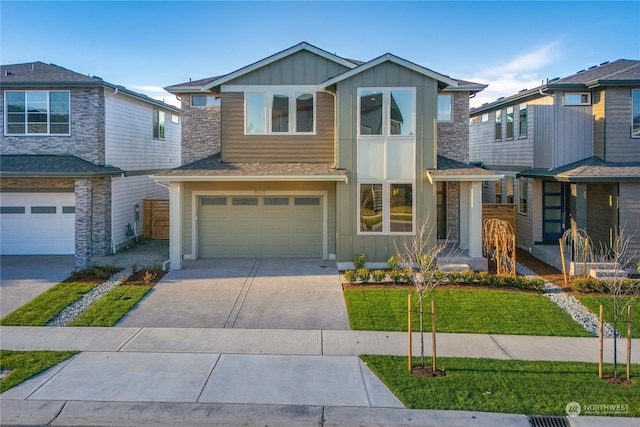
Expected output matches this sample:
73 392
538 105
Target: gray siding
524 221
599 127
544 122
238 147
573 133
380 248
629 212
602 213
619 146
301 68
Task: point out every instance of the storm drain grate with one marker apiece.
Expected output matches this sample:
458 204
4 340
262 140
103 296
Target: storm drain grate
548 421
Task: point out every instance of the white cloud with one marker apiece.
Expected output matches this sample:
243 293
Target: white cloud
517 74
157 93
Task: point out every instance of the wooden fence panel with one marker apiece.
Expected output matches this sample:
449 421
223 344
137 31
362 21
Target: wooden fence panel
504 211
156 219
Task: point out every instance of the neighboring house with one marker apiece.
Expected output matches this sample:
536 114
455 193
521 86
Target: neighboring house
570 153
307 154
76 155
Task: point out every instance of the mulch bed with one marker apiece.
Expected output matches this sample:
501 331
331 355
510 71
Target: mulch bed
88 276
427 372
138 279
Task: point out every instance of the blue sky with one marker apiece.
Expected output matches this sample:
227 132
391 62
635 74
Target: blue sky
510 45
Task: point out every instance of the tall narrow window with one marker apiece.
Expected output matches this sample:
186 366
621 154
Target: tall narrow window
510 122
635 113
444 108
280 113
401 120
158 124
401 211
370 112
371 207
509 190
304 112
254 114
498 192
523 195
441 209
498 131
522 123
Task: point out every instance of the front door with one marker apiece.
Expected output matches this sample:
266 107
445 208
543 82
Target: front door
553 209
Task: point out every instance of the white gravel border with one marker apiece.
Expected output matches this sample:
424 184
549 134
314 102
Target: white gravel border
570 305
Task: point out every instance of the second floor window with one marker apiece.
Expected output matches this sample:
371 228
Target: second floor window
445 112
279 113
498 131
498 192
158 124
635 113
37 112
577 98
510 123
522 125
509 190
387 112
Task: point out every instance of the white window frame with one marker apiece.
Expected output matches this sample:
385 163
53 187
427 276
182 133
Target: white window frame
445 119
48 133
521 193
215 101
161 125
386 112
386 207
292 93
580 94
484 118
510 119
634 92
523 107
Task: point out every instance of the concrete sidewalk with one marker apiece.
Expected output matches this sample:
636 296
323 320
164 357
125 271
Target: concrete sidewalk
172 376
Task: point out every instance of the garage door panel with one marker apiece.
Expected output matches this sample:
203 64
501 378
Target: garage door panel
276 226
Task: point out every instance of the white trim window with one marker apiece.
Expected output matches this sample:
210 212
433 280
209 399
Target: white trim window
510 123
158 124
386 160
523 121
280 113
635 113
198 101
523 196
577 98
37 112
445 108
498 126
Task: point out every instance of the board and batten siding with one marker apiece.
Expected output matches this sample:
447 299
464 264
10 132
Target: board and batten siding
524 221
629 212
573 139
599 101
238 147
129 142
301 68
387 74
618 144
125 193
261 188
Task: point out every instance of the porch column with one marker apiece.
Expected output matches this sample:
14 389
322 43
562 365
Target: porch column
475 219
175 226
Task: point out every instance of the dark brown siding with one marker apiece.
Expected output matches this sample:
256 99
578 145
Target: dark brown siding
602 213
238 147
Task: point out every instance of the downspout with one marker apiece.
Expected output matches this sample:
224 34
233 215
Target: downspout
335 127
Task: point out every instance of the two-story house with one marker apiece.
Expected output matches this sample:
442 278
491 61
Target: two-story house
76 154
308 154
570 153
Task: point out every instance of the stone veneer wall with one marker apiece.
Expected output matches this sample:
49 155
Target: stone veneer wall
200 131
87 140
453 137
453 211
93 219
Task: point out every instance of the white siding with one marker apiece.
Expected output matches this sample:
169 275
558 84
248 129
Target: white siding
125 193
129 142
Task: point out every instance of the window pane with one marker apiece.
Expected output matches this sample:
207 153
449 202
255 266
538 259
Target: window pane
59 128
43 209
156 119
304 113
370 112
523 189
37 128
280 113
444 108
15 102
401 202
198 101
577 98
68 209
213 201
509 190
254 104
245 201
498 130
307 201
371 207
522 132
15 128
15 117
12 209
276 201
510 123
636 113
161 124
401 112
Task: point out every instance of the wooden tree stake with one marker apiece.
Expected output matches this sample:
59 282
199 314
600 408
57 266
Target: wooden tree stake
600 334
433 332
564 268
629 342
410 343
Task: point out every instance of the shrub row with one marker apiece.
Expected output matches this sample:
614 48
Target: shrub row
591 284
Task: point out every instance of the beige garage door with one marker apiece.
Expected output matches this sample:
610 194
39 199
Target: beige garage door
260 226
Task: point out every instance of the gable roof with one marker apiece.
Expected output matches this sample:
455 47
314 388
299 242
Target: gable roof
388 57
52 166
591 169
40 75
616 73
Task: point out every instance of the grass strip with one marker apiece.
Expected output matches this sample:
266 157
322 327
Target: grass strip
25 364
43 308
509 386
593 304
461 311
109 309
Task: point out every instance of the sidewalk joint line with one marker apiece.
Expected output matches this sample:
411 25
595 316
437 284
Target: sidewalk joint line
242 295
502 349
58 413
204 385
131 338
364 381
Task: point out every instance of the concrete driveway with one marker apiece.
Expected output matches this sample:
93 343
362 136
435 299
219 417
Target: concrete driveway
23 277
245 293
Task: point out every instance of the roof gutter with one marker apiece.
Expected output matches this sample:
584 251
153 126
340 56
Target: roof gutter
245 178
461 178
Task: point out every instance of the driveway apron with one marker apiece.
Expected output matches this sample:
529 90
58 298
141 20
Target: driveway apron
245 293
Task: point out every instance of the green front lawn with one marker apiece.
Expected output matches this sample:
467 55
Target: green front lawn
592 302
509 386
25 364
477 311
43 308
109 309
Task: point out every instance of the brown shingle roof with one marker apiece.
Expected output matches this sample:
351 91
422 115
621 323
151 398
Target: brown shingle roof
589 169
449 168
37 165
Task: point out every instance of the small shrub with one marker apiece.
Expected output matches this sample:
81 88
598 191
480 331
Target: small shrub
351 276
148 277
396 275
587 285
454 277
406 275
363 274
427 262
509 281
378 276
468 276
359 262
483 278
393 263
536 283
